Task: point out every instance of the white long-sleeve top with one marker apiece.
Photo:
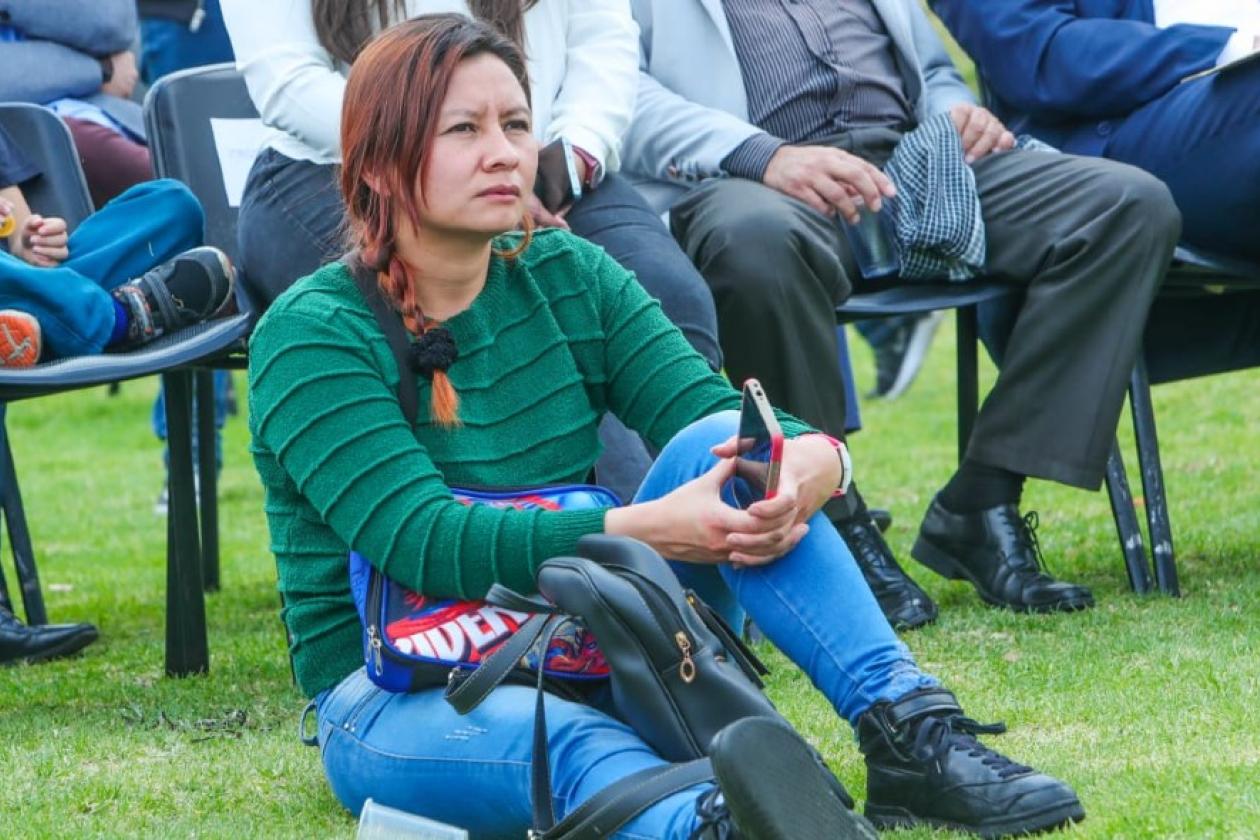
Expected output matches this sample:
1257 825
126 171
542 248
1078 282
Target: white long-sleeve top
582 57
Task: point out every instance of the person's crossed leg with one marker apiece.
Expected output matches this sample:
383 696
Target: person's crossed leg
1089 239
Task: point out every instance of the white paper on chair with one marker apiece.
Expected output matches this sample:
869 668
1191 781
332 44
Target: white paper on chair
237 142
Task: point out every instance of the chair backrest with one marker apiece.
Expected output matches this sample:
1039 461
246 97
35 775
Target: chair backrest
204 131
61 189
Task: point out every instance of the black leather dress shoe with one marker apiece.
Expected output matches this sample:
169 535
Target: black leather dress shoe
905 605
997 550
44 641
925 767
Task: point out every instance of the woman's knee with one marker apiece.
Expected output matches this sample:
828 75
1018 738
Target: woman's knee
707 431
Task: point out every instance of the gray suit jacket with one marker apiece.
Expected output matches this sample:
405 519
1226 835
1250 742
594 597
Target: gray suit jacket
692 110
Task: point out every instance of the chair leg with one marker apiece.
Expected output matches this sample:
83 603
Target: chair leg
1127 528
19 535
207 470
187 651
5 603
1157 519
968 376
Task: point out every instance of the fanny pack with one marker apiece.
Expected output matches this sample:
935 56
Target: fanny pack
411 641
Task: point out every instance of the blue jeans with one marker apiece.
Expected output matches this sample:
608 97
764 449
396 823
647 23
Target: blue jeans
167 45
145 226
412 751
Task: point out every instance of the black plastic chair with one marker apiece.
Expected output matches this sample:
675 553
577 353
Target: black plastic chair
919 298
1193 271
173 356
177 113
38 131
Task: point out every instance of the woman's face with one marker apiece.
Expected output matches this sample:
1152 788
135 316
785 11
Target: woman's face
482 163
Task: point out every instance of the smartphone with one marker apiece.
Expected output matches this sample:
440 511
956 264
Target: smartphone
760 449
557 184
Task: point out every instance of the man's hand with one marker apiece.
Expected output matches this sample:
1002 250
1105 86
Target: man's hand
123 83
981 132
827 179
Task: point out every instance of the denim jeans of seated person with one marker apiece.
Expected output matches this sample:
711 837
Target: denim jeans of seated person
412 751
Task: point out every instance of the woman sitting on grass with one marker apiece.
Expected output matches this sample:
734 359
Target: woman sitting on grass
550 334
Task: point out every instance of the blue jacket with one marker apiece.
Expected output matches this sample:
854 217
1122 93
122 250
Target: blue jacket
1066 70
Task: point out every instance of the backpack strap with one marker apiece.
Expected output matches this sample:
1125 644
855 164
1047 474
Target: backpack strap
396 334
600 816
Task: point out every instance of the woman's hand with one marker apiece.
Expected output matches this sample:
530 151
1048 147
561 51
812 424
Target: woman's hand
43 242
692 523
811 472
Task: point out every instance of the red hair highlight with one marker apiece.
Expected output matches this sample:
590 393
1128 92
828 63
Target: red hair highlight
389 118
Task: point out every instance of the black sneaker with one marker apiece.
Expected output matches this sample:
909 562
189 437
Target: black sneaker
924 766
773 786
900 357
187 290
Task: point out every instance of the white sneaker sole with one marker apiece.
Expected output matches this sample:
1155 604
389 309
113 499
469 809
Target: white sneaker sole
916 353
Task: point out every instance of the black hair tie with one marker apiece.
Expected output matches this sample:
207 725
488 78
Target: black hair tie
433 351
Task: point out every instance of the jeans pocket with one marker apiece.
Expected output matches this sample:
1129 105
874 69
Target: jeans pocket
348 700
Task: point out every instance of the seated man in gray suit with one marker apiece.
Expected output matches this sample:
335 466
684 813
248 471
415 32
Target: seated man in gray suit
758 124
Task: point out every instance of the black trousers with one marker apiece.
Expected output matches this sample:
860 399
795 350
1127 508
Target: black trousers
1089 239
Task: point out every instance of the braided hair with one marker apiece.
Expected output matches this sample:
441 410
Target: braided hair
388 122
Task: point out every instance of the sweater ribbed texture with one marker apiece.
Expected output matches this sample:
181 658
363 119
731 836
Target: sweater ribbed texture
555 339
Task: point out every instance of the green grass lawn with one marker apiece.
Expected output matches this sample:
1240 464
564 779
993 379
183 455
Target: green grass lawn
1149 706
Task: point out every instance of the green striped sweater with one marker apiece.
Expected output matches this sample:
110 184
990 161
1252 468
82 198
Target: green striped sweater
557 337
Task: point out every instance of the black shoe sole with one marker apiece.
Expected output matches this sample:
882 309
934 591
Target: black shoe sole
776 787
903 626
947 566
885 818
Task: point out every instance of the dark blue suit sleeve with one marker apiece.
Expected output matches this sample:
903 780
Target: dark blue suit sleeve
1047 59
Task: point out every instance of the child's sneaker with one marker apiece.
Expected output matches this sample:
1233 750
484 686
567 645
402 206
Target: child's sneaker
20 339
187 290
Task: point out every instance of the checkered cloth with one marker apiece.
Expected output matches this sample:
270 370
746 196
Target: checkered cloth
939 227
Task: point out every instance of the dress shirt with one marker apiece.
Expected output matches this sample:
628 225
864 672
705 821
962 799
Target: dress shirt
1243 15
811 69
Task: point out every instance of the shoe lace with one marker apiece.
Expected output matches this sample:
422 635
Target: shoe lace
1025 529
939 735
863 540
713 818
